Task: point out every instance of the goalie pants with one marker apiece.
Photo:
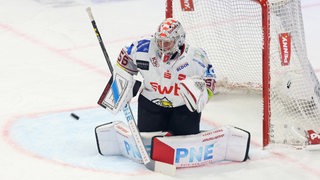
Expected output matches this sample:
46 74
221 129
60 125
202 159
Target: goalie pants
178 120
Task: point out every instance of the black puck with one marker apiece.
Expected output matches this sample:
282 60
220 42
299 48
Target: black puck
75 116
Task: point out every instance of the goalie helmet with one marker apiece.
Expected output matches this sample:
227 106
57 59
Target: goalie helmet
170 36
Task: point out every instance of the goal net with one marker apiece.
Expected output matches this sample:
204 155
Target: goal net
258 46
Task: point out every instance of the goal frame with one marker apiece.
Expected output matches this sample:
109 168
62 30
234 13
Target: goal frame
265 16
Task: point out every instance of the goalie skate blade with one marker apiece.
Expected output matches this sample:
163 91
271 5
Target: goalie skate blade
164 168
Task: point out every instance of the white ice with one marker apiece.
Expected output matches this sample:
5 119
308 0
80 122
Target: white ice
51 65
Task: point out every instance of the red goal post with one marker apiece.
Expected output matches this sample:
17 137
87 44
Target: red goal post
259 46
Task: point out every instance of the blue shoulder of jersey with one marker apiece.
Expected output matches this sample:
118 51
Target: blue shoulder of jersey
143 45
210 71
129 49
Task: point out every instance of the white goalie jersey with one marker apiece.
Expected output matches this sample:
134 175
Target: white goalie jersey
161 76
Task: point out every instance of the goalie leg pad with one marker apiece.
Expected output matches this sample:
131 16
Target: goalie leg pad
106 138
225 143
238 144
115 138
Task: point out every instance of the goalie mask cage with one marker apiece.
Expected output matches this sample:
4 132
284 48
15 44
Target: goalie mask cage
258 46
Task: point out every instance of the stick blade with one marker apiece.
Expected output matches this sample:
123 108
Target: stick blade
161 167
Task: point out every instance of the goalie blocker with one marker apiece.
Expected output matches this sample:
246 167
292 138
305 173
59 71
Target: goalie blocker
121 88
225 143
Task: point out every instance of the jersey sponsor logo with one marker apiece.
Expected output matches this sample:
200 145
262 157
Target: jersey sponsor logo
187 5
144 65
163 102
199 62
167 75
210 71
143 45
182 66
285 48
194 154
165 89
181 77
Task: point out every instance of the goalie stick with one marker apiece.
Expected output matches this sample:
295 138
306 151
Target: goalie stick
156 166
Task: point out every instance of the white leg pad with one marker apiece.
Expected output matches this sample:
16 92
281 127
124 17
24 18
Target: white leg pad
115 138
220 144
238 144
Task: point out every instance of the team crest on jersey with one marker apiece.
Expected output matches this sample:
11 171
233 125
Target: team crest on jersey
163 102
154 62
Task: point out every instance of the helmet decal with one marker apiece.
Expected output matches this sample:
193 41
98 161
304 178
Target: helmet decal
170 36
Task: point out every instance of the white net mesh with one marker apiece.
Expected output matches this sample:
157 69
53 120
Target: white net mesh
218 27
230 31
294 87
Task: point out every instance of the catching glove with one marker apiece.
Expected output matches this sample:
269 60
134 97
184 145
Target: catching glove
194 93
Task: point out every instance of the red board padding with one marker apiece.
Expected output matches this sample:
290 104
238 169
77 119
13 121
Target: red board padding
161 151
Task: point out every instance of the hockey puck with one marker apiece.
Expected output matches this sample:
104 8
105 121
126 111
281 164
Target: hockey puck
75 116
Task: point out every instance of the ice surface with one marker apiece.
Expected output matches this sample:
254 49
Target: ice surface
52 65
